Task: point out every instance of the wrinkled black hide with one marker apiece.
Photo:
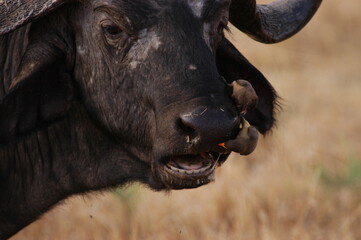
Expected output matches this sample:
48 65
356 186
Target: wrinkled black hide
94 97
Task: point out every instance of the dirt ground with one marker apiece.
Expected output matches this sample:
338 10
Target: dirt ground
302 182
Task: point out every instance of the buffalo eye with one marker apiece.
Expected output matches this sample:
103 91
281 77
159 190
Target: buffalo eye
114 35
111 30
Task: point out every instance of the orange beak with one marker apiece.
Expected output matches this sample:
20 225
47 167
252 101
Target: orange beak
222 145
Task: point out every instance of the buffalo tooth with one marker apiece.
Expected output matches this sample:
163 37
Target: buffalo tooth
174 168
209 166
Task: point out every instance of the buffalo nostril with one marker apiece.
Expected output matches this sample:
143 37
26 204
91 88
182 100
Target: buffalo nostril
209 126
186 125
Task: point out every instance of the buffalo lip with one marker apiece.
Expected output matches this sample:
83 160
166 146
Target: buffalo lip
204 171
187 170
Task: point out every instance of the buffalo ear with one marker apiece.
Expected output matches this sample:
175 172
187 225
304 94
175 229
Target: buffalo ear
232 65
41 93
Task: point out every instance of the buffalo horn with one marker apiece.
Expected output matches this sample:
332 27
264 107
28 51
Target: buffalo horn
15 13
272 22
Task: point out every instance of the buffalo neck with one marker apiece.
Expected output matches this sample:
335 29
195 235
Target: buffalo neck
68 157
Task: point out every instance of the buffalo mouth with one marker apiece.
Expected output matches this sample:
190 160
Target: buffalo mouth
189 170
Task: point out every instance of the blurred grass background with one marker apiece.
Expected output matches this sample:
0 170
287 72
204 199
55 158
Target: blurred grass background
302 182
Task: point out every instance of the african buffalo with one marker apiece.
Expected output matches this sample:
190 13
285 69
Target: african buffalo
98 93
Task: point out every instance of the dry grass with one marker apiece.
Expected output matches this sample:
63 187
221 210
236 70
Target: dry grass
303 181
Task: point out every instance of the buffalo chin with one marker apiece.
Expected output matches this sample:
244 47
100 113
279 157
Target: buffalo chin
188 170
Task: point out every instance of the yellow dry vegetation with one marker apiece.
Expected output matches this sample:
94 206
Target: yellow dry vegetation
302 182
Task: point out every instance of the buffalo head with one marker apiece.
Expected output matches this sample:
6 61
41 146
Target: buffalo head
149 73
152 75
98 93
